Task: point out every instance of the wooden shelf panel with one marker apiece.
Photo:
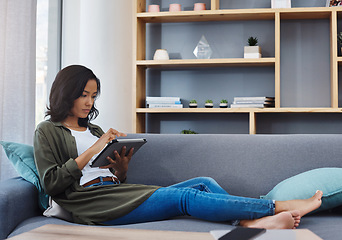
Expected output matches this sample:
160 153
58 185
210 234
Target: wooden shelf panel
237 14
306 13
191 110
239 110
207 15
219 62
300 110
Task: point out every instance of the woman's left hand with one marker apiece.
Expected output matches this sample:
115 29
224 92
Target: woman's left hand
120 164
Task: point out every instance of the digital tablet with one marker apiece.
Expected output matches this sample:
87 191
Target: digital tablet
117 144
242 233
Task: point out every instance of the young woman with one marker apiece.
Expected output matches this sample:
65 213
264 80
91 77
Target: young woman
67 142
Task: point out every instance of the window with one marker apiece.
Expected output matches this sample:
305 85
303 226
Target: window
48 48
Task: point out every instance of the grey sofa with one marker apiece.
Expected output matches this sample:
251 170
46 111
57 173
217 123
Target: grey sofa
246 165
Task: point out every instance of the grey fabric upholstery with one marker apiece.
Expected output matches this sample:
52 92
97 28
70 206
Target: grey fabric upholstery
246 165
18 201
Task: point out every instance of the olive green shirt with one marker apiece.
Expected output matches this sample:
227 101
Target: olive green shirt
55 150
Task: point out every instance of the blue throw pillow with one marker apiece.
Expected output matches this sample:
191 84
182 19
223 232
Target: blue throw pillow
22 158
304 185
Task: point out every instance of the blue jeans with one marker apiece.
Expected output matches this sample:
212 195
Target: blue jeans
202 198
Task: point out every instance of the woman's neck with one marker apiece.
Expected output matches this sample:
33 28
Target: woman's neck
72 123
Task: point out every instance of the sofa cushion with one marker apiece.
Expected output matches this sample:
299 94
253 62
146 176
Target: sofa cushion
22 158
305 184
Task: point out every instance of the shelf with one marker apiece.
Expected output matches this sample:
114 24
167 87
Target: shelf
237 14
192 110
239 110
277 16
307 13
219 62
207 15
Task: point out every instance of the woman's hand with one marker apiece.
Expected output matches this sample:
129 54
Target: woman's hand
110 135
120 164
97 147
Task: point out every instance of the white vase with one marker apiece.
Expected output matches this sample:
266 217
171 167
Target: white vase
208 105
161 54
252 52
223 105
192 105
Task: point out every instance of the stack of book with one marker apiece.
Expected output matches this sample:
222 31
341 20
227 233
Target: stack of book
253 102
163 102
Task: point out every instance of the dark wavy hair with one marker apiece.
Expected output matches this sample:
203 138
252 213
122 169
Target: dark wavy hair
69 85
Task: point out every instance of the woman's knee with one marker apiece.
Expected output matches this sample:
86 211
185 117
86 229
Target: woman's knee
207 180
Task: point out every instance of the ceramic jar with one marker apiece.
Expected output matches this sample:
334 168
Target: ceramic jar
161 54
175 7
153 8
199 6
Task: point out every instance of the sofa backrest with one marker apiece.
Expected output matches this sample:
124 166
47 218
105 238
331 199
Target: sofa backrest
246 165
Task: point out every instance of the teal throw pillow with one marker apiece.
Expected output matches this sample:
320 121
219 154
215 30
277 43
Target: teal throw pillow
22 158
304 185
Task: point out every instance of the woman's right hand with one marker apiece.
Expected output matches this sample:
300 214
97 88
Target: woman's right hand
97 147
110 135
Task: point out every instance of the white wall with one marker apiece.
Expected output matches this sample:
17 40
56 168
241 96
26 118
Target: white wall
98 35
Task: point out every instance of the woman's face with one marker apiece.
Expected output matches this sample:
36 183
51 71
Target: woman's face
85 102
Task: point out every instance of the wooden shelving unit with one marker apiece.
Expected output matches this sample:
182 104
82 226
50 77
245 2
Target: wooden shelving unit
141 18
220 62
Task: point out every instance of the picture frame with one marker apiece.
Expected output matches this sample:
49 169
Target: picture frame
334 3
281 3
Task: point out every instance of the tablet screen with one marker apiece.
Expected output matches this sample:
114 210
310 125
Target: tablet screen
117 144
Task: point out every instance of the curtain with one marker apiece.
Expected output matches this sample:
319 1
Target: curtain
17 75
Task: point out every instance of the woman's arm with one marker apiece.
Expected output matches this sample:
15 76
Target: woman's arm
56 169
56 157
85 157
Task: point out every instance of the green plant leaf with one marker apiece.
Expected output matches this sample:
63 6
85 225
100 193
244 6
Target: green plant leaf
252 41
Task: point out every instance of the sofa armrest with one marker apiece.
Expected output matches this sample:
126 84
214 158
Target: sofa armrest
18 201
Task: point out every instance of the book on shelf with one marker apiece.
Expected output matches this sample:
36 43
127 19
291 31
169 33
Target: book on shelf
165 105
252 105
239 99
150 99
163 102
254 101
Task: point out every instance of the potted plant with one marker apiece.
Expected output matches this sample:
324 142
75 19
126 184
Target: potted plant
193 103
223 103
209 103
252 50
188 132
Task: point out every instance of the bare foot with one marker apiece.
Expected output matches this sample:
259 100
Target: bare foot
283 220
296 217
304 206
